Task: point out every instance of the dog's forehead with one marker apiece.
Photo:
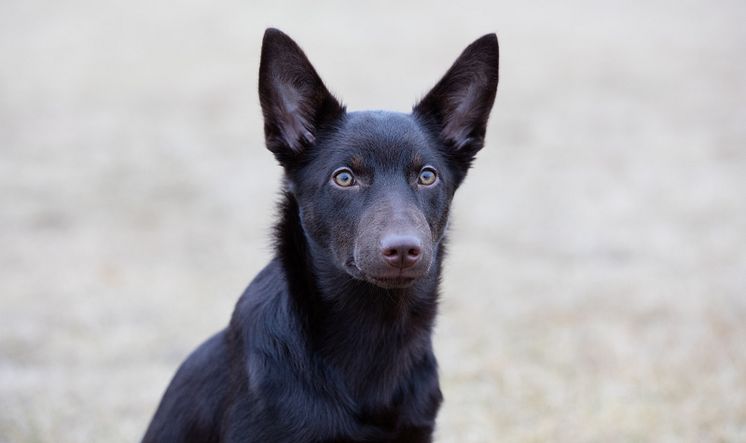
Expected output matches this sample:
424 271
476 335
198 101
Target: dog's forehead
381 134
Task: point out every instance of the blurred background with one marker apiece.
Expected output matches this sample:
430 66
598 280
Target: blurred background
595 289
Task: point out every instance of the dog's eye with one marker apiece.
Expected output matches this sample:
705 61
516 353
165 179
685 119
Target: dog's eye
427 176
343 177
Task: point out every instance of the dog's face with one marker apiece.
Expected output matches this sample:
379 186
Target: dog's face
375 194
374 188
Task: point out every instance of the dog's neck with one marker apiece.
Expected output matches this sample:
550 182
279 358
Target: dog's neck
369 327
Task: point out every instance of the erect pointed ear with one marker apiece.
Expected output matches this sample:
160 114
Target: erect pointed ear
459 105
295 102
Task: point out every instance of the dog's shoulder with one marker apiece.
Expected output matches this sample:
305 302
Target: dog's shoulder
204 376
264 321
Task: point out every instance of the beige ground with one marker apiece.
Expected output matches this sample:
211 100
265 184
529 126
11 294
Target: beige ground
596 287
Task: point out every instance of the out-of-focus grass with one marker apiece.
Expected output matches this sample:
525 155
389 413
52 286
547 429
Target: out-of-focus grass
595 289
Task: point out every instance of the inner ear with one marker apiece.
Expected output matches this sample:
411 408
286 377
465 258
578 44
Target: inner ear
295 102
461 101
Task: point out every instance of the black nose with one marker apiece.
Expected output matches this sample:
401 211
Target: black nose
401 251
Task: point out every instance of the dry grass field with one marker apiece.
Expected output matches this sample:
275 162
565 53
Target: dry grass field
595 289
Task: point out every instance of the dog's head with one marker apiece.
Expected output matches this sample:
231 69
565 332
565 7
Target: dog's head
374 188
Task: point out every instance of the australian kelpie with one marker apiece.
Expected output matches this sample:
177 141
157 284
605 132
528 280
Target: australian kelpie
331 342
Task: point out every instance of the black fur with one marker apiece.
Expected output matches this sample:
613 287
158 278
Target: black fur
331 342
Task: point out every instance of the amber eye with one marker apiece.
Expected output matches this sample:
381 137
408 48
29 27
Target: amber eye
343 177
427 176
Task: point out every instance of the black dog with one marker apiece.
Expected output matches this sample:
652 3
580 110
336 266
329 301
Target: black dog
331 342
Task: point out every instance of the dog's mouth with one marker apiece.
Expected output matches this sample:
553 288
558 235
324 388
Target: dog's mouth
391 282
394 280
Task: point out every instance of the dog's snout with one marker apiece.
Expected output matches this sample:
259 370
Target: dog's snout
401 251
394 245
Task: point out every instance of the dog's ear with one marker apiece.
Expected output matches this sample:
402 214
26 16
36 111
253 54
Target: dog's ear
295 102
459 105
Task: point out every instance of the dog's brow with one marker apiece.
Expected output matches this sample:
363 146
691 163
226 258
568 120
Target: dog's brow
356 162
417 160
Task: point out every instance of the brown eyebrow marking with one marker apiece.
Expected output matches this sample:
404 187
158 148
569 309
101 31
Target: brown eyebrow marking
356 162
417 160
